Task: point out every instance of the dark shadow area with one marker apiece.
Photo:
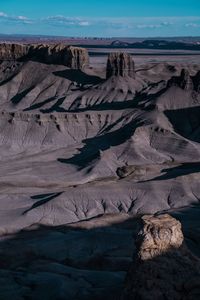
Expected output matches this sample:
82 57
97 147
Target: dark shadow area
65 263
42 55
79 77
186 121
42 199
181 170
53 108
18 97
196 82
146 100
40 104
92 261
117 105
93 146
164 276
8 79
56 107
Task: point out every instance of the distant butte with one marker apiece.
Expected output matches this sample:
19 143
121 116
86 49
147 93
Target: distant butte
120 64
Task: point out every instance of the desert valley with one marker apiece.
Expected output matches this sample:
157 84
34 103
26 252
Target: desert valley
94 136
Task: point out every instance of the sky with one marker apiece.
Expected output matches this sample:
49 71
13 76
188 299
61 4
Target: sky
101 18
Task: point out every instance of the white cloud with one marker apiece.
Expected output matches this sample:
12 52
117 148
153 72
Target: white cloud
22 18
60 20
7 19
84 23
132 26
195 25
151 26
165 23
2 14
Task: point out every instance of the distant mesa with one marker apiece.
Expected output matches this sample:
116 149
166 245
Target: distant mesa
157 44
72 57
118 43
120 64
163 268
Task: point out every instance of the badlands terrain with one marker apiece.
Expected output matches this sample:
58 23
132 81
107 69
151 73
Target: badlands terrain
88 145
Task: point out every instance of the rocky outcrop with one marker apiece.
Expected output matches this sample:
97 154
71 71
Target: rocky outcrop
196 82
12 51
163 268
77 57
72 57
120 64
184 81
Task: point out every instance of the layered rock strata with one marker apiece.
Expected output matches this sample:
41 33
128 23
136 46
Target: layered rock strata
72 57
120 64
13 51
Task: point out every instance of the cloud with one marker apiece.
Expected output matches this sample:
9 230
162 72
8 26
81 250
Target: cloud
64 21
167 23
154 26
2 14
84 23
150 26
22 18
194 25
13 19
132 26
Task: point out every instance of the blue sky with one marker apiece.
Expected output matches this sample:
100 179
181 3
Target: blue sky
111 18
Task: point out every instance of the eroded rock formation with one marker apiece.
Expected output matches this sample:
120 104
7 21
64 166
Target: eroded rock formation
196 82
120 64
12 51
72 57
78 57
184 81
164 268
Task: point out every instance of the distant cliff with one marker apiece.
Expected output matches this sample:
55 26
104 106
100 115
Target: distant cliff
72 57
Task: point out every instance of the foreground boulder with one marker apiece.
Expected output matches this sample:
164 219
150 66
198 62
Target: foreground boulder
120 64
72 57
164 268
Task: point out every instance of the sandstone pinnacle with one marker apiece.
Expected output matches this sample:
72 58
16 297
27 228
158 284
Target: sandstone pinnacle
120 64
